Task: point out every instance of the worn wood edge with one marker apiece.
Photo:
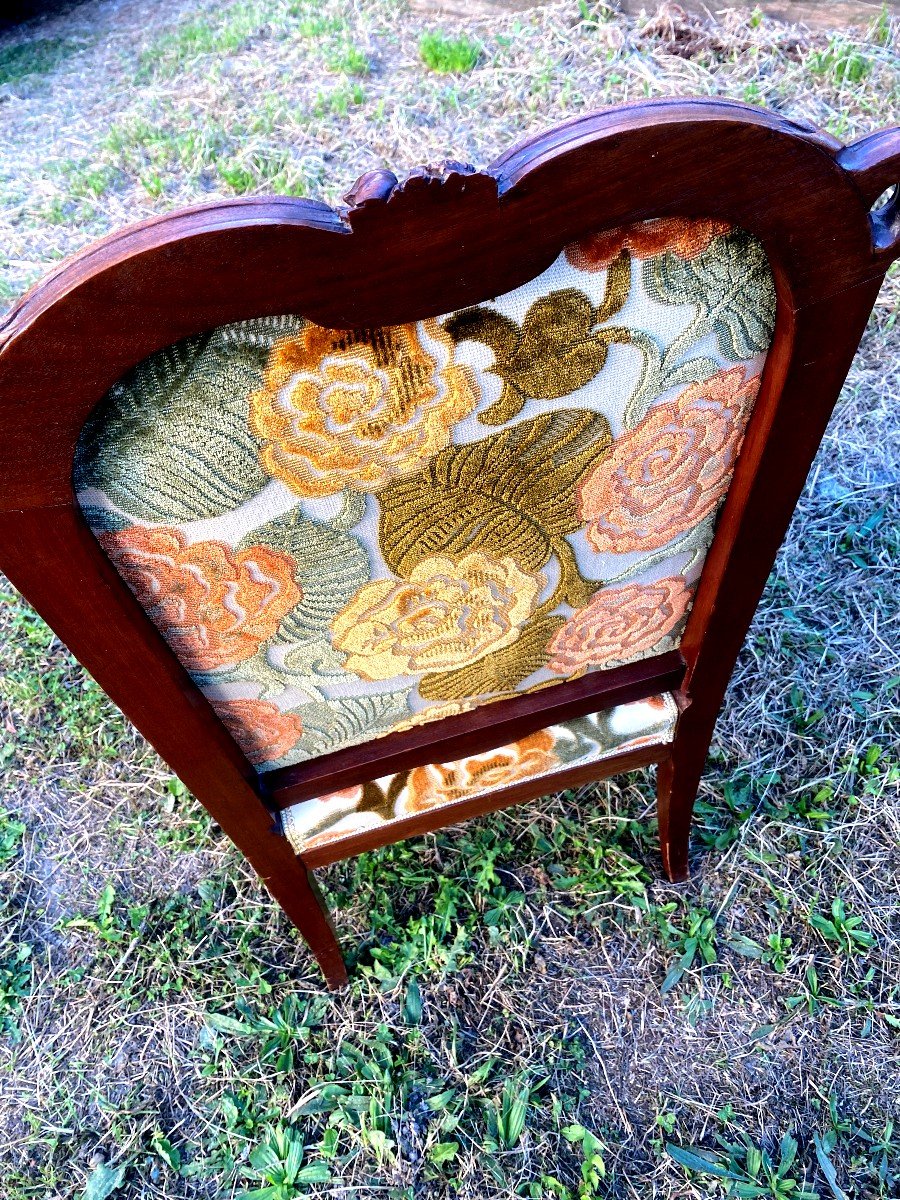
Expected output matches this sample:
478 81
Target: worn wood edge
449 815
612 122
873 164
484 728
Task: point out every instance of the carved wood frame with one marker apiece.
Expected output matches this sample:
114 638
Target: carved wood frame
443 239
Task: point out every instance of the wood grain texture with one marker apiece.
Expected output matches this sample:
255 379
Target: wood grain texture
401 251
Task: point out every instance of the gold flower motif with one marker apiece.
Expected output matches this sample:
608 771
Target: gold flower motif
672 470
434 712
447 614
356 408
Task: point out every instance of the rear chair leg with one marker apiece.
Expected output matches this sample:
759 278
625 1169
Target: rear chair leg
677 781
319 932
295 888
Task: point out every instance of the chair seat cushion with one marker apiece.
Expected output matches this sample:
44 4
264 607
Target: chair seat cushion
539 755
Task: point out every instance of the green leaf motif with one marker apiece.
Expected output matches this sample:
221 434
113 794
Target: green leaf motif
330 565
556 351
730 282
347 721
170 441
104 520
586 735
510 494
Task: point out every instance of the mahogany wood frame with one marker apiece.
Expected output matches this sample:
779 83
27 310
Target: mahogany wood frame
445 238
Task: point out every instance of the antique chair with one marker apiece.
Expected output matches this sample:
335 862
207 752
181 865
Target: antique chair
376 519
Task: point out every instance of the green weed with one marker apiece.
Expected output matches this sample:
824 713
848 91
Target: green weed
842 61
449 55
842 928
315 25
698 942
264 170
879 31
748 1171
340 99
279 1035
278 1162
812 997
89 179
51 692
349 60
508 1114
196 38
185 825
15 956
593 1167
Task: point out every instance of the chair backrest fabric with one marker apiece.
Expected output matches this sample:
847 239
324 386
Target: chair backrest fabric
343 533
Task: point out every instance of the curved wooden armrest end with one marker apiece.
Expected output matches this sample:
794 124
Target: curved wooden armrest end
874 164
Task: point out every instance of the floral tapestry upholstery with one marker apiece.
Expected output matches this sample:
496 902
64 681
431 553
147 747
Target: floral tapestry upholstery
439 785
342 533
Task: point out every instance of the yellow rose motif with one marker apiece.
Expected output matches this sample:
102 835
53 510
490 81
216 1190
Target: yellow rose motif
447 614
357 408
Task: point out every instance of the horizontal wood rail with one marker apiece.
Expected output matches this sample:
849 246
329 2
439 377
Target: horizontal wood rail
473 732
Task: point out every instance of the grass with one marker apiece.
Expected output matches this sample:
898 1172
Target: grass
842 60
349 60
197 38
38 57
534 1012
449 55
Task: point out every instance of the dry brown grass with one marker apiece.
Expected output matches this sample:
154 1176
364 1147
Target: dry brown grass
540 940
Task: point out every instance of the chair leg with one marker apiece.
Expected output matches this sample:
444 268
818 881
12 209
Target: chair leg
677 781
296 889
292 885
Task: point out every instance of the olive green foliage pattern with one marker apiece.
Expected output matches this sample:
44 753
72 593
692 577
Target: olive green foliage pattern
558 349
330 566
733 277
170 442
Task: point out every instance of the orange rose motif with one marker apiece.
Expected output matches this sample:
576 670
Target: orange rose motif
449 613
618 624
357 408
262 730
442 783
647 239
672 470
214 606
